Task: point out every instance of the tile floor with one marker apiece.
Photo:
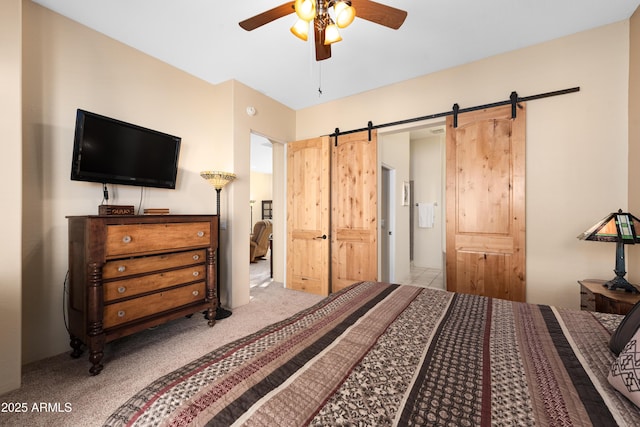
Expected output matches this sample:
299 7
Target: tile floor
259 273
425 277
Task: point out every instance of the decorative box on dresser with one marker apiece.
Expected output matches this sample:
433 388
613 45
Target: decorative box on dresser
129 273
594 296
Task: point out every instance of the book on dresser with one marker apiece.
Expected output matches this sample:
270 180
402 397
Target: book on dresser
129 273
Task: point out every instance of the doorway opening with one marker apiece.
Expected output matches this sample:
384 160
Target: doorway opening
261 203
417 252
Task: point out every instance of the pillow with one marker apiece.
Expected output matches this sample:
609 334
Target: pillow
625 330
624 375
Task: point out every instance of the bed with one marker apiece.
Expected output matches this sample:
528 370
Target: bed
379 354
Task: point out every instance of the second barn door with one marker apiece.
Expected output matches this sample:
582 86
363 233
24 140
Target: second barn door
485 195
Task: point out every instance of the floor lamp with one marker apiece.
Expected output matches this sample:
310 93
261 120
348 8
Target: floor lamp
218 180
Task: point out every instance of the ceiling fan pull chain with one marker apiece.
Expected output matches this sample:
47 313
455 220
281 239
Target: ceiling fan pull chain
319 80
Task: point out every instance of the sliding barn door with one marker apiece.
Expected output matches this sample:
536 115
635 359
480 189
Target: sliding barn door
320 172
354 208
485 211
308 197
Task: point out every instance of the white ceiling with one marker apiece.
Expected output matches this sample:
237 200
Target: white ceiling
202 37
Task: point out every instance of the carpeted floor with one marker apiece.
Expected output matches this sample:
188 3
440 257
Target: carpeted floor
73 398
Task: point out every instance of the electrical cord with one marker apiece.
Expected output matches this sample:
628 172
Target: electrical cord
140 202
65 298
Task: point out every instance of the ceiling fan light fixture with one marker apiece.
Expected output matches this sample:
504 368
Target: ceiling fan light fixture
305 9
326 22
301 29
345 13
331 34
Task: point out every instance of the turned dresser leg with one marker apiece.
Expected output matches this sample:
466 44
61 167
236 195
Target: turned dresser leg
211 316
76 345
95 315
95 357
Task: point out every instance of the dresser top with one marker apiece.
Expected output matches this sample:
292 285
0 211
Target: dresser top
597 287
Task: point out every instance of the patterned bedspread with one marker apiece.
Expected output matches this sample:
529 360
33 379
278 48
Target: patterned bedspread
377 354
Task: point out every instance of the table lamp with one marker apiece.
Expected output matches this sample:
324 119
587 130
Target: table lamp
616 227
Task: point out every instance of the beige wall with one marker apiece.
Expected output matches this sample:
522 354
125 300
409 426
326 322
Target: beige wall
574 142
633 257
427 169
278 247
261 189
68 66
11 195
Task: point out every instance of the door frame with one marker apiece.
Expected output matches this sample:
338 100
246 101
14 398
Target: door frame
279 197
390 240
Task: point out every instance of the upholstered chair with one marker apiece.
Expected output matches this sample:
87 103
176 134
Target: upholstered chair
259 243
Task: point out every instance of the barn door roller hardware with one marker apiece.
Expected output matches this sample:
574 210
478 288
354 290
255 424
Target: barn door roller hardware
514 99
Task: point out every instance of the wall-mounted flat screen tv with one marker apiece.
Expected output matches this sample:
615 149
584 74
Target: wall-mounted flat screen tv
111 151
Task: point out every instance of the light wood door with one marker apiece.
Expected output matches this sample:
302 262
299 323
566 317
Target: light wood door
485 211
354 206
308 197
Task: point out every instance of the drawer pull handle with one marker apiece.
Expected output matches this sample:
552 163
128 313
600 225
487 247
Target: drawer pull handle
121 313
196 273
200 233
121 269
126 239
195 293
196 257
121 289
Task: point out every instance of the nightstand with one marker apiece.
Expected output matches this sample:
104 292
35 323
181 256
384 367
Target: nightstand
596 297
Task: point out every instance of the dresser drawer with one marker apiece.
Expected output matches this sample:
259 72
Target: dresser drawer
152 282
131 266
587 299
132 239
126 311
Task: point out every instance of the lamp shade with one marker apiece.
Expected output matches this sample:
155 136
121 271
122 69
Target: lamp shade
615 227
305 9
332 35
301 29
218 179
345 13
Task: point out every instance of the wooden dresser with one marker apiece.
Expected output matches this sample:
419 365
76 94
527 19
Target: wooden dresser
129 273
596 297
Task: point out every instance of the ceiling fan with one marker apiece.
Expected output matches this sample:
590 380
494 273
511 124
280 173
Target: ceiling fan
325 25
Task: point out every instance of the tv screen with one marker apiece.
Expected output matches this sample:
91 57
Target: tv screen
111 151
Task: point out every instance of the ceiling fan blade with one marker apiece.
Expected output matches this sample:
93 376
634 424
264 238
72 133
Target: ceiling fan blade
323 51
268 16
379 13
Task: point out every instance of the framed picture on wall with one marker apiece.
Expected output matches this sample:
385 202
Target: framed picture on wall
406 193
267 209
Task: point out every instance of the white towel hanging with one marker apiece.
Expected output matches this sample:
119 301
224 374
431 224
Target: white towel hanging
426 214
